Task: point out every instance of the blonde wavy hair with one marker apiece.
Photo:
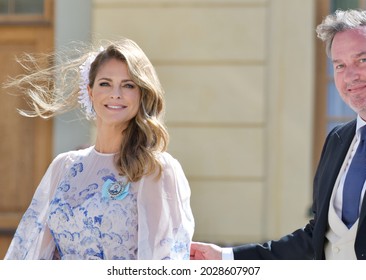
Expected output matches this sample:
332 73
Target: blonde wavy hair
52 90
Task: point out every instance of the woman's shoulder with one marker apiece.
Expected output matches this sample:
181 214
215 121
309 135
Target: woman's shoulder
72 155
166 158
169 162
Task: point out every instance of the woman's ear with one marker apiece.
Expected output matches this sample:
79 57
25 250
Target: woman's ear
90 92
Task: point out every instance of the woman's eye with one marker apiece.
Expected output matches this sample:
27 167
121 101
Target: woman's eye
104 84
129 86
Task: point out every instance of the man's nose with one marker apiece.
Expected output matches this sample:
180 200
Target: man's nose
352 74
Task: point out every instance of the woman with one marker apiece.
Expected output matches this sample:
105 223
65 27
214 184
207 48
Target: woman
124 197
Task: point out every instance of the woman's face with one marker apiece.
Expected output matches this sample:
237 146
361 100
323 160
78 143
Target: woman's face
115 97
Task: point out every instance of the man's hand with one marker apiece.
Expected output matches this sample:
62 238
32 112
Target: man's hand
205 251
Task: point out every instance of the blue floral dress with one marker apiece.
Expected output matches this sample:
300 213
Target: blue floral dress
75 213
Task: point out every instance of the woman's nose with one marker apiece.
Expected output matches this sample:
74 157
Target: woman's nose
116 93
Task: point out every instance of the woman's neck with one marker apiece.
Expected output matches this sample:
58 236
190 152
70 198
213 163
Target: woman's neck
108 140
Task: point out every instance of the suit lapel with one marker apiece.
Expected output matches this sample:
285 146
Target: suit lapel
363 211
347 135
333 155
337 148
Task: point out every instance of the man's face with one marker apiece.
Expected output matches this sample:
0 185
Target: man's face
349 63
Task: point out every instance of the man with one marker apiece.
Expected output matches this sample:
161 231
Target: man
336 231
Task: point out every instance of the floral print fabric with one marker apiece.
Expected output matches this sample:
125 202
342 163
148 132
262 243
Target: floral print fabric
70 213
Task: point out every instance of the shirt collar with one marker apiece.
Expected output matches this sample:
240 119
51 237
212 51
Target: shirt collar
360 123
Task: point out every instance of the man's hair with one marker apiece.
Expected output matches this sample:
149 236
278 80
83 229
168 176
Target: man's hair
337 22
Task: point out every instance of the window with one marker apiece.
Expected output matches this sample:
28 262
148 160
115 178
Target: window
25 11
21 7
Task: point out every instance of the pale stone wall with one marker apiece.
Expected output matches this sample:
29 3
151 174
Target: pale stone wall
238 77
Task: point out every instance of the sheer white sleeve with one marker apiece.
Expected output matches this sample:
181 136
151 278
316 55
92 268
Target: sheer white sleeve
32 239
166 223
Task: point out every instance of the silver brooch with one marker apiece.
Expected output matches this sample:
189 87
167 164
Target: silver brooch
115 189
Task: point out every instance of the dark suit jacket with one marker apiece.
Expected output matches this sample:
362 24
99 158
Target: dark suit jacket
308 242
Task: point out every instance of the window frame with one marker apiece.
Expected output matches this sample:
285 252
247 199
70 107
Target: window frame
16 19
